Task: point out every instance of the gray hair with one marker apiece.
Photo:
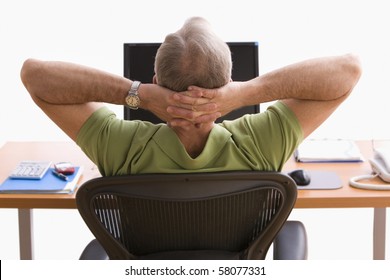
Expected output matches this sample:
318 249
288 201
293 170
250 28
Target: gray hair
194 55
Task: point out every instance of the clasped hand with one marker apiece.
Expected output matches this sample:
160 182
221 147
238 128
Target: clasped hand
197 105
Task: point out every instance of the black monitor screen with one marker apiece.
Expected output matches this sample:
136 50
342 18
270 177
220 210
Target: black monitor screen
139 66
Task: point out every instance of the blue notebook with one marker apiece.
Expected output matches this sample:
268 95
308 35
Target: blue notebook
48 184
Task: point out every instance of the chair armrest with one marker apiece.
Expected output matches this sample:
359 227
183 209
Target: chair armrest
94 251
291 242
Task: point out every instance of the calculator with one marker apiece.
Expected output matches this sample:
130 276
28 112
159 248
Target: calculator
30 170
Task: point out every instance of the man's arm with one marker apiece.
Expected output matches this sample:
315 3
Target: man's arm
312 89
69 93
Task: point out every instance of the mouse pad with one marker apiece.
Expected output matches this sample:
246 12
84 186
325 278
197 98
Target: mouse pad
322 180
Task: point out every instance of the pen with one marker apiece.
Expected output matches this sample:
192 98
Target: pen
61 176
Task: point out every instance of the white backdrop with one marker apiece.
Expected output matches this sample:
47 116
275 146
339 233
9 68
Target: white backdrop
93 33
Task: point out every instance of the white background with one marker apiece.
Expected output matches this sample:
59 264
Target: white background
93 33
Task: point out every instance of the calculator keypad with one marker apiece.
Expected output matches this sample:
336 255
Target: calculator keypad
30 170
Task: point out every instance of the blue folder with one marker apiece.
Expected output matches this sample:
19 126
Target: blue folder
48 184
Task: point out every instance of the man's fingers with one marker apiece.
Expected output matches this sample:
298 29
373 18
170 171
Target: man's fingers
195 95
191 111
182 113
180 123
208 113
201 92
207 118
185 100
206 108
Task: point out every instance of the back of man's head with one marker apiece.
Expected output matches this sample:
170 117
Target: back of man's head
194 55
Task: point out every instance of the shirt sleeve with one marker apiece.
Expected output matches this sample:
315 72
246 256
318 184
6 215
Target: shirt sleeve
101 140
272 136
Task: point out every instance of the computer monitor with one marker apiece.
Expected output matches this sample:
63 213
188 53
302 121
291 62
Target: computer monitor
139 65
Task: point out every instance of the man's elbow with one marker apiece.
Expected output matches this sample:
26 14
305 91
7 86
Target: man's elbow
29 74
354 68
350 73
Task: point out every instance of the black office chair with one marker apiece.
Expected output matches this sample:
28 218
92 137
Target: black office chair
224 215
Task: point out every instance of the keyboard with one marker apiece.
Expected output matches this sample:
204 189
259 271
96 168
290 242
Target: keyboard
30 170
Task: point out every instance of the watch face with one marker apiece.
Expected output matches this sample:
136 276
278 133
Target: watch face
133 101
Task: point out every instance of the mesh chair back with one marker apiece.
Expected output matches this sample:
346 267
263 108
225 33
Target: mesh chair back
228 214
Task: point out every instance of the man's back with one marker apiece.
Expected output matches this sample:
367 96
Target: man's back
149 148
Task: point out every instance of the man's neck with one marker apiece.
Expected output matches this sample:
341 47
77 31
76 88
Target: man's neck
194 138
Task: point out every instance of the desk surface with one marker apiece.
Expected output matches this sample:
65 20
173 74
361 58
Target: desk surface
346 196
13 152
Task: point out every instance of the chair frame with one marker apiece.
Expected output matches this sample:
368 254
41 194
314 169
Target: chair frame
186 187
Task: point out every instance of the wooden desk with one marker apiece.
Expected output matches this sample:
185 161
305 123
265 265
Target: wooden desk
349 197
13 152
346 196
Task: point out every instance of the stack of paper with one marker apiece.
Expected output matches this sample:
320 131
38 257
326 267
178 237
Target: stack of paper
328 151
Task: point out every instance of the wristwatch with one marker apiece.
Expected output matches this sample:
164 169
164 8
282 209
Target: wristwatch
132 98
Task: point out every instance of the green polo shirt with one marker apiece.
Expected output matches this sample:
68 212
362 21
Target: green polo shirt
262 141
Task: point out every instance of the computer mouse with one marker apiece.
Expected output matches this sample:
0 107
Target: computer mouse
301 177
